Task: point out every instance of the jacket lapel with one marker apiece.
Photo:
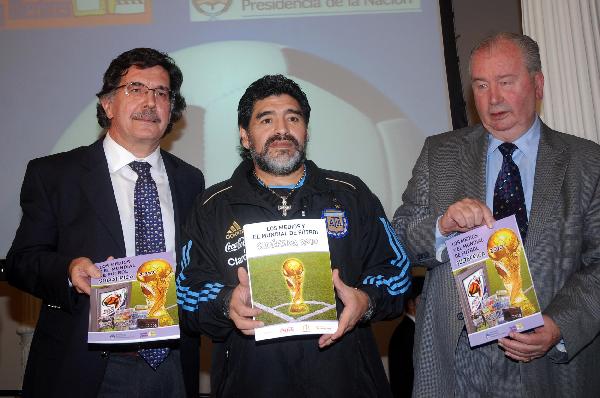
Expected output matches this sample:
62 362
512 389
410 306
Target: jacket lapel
97 186
174 182
550 168
473 163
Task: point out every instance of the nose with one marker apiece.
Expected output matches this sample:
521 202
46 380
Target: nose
150 98
495 94
280 125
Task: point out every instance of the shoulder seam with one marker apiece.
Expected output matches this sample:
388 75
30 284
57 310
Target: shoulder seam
340 181
216 193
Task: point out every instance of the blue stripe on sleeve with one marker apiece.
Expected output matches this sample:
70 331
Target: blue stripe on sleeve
399 283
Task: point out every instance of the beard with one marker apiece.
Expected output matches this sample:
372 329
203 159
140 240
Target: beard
284 161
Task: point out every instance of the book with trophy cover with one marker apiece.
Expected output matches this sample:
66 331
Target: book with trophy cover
494 283
290 277
134 300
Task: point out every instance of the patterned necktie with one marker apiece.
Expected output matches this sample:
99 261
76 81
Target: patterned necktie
509 197
149 235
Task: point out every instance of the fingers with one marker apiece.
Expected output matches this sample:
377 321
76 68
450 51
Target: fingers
325 340
465 215
240 306
527 346
81 270
243 277
517 350
356 303
338 284
328 339
343 327
488 217
245 325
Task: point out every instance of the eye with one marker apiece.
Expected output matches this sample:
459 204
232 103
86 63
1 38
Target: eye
266 121
162 93
136 88
294 118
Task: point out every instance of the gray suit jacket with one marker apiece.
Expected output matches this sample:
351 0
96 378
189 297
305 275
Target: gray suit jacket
562 246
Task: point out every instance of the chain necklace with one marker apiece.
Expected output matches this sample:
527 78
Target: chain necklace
284 206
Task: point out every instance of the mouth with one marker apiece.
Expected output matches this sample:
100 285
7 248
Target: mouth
499 115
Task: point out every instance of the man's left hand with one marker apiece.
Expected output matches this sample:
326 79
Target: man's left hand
524 347
356 303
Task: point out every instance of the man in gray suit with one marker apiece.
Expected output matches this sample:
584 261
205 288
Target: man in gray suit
452 191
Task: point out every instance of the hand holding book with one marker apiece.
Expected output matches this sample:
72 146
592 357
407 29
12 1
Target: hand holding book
525 347
356 303
465 215
240 306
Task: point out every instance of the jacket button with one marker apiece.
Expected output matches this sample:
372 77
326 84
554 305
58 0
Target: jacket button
459 316
104 354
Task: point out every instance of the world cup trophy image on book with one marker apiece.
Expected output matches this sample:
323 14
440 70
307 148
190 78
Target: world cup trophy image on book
504 249
293 272
154 281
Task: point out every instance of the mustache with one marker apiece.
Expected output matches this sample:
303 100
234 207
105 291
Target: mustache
282 137
148 115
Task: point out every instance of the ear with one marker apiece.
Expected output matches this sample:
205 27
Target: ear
107 103
244 138
539 85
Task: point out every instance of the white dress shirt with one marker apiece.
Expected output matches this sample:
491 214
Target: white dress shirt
123 180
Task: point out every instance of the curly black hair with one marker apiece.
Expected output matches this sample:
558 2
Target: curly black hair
262 88
142 58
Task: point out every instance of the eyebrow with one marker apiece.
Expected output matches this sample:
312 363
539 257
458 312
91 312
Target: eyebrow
138 82
270 112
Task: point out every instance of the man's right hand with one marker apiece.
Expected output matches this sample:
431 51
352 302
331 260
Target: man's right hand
240 306
465 215
81 270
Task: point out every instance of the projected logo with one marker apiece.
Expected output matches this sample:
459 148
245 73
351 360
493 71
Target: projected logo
211 8
353 126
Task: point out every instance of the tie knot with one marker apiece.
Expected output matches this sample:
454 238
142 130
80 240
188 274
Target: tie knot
141 168
507 148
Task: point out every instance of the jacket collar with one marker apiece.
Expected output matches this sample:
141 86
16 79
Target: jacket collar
245 187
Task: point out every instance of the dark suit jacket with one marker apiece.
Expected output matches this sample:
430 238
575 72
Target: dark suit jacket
69 211
562 246
400 358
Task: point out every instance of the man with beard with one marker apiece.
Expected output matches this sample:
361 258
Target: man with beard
276 182
83 206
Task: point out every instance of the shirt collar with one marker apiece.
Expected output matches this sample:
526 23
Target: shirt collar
527 143
118 157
